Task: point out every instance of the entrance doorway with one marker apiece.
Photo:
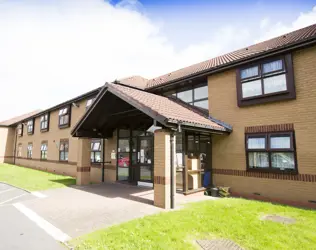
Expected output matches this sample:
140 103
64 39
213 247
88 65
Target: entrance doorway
135 157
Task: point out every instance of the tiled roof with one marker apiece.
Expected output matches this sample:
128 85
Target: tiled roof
257 49
134 81
163 106
19 118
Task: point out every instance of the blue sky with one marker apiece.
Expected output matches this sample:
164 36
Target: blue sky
54 50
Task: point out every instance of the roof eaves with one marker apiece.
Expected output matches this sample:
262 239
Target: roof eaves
78 98
250 58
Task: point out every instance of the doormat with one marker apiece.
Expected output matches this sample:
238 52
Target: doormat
218 244
279 219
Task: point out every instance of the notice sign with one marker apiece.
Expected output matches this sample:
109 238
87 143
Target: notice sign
113 155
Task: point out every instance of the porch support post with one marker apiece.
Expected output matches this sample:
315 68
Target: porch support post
162 169
83 161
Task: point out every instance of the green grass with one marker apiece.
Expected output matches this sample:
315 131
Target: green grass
31 179
235 219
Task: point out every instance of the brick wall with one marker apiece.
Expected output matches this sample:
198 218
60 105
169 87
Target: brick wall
229 151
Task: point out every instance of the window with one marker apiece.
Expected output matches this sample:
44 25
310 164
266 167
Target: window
44 151
63 150
64 117
197 96
29 150
30 127
20 129
19 151
266 81
89 102
271 152
44 122
96 151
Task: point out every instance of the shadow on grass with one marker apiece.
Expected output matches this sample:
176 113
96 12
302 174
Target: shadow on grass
66 182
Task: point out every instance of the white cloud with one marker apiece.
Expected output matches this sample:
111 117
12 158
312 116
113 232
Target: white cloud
54 50
271 30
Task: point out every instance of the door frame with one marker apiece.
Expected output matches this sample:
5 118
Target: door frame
135 168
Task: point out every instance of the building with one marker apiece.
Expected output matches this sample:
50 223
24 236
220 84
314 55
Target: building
244 120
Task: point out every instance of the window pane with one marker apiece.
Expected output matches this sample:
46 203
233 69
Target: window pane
252 88
274 84
250 72
258 160
61 112
256 143
97 156
280 142
123 160
62 155
272 66
185 96
122 173
145 173
66 156
123 145
283 160
202 104
200 93
66 119
96 146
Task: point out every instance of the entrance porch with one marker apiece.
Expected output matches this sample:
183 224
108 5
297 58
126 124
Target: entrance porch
148 140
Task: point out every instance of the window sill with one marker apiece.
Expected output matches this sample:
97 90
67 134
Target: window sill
44 130
43 159
265 95
273 171
30 133
63 161
64 126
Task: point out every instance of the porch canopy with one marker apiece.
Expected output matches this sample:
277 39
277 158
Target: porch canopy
118 106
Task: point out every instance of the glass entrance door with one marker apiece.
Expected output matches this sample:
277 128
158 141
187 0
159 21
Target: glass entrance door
145 156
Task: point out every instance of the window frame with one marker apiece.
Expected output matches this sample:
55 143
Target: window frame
64 125
20 130
192 88
29 153
47 120
41 151
63 141
270 150
30 132
93 141
287 70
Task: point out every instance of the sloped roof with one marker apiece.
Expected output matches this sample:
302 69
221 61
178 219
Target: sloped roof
19 118
289 39
134 81
171 111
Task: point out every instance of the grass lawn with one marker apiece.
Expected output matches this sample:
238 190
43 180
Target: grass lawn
31 179
235 219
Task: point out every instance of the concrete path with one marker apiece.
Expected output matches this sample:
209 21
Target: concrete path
17 230
80 210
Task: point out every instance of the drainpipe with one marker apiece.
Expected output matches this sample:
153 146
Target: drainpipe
103 158
16 138
171 170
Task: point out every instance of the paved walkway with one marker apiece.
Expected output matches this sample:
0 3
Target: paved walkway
79 210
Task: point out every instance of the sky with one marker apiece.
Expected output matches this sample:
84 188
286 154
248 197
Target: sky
54 50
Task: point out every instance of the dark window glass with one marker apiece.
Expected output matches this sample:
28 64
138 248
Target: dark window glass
44 151
29 150
44 122
64 114
271 151
63 150
96 149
